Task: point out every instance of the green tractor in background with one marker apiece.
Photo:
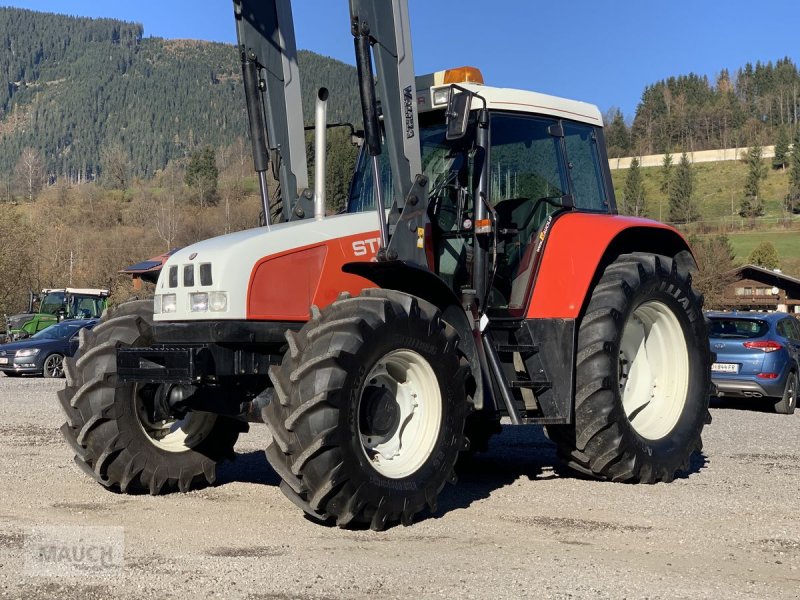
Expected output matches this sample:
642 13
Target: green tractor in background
53 306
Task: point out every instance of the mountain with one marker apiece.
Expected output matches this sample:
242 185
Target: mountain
78 87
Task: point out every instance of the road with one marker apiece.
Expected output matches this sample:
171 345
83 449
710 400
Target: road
515 525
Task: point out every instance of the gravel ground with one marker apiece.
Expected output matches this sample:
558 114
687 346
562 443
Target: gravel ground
515 525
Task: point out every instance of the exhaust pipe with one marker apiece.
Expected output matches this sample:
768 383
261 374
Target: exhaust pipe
320 152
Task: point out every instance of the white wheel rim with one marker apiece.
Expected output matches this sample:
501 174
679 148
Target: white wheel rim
653 370
175 435
413 388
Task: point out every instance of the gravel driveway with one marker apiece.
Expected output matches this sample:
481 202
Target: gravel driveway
515 525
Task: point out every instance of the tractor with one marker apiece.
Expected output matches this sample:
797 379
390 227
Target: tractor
54 305
480 272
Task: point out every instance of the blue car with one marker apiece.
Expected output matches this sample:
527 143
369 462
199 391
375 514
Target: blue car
757 357
43 353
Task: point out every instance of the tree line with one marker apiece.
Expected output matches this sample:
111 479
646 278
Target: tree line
691 112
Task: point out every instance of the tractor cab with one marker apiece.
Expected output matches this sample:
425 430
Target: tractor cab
546 156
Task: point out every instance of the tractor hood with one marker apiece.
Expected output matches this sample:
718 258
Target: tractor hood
15 322
262 274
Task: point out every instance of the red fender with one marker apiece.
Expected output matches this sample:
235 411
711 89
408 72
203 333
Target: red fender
578 245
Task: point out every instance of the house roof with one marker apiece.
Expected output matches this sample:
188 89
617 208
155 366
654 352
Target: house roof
150 268
767 275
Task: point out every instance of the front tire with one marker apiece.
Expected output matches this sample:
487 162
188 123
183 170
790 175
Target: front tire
788 402
107 426
642 374
369 412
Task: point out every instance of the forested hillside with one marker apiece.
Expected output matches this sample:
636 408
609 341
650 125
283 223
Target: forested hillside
84 92
691 112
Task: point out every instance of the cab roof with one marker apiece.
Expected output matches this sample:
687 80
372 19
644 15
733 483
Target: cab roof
499 98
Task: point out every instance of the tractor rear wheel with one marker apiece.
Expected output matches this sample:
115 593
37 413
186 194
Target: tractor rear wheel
369 412
109 424
642 374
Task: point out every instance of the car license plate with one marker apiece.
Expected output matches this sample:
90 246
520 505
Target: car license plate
725 368
3 361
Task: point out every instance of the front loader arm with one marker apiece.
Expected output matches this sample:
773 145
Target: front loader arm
383 26
265 31
387 23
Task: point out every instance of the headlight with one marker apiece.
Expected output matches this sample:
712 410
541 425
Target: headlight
218 301
27 352
169 303
441 96
157 304
198 302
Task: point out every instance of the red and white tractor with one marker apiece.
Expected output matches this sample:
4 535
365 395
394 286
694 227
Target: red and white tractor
479 272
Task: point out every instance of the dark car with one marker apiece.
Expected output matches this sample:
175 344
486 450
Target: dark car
757 357
44 352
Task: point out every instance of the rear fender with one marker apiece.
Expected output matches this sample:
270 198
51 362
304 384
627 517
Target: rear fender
422 283
579 248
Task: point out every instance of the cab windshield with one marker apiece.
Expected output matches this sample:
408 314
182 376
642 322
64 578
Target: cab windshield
443 163
53 302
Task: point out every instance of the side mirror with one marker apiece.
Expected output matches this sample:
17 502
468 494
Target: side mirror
458 106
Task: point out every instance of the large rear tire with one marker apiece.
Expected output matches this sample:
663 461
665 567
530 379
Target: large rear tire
108 427
642 374
370 410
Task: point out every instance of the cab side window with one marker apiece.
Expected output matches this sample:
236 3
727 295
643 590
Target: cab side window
583 165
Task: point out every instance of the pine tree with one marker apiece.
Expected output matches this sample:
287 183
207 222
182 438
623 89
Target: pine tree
666 173
618 137
633 195
752 204
764 255
793 197
781 158
682 206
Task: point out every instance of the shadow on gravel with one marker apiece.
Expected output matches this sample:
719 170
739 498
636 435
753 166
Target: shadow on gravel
760 405
521 451
251 467
518 452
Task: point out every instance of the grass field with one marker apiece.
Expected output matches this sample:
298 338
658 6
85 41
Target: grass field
787 243
719 189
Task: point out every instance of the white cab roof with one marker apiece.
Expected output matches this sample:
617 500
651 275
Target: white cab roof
520 101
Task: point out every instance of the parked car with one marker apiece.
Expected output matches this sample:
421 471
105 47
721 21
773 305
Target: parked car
757 357
43 353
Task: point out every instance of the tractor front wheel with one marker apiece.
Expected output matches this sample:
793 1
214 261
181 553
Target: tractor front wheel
369 412
110 426
642 374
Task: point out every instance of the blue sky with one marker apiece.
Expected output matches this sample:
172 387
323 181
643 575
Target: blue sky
602 52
